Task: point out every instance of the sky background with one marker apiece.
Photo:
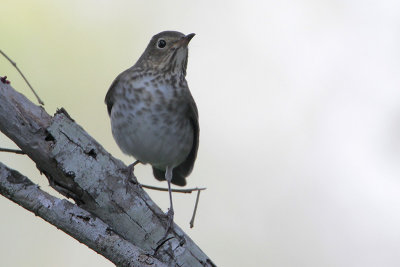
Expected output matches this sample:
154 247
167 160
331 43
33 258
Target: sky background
299 105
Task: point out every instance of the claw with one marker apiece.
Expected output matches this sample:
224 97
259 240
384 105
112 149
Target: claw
131 175
170 216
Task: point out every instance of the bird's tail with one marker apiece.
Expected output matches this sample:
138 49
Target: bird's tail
177 177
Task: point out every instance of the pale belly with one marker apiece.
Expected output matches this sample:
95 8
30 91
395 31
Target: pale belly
150 136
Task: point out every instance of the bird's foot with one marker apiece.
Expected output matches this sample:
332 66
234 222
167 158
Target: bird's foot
131 178
170 222
131 175
170 217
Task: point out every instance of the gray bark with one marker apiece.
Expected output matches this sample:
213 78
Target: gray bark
79 168
73 220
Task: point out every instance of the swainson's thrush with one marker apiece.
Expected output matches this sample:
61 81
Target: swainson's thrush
153 115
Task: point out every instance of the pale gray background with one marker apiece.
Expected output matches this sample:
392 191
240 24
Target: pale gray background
299 107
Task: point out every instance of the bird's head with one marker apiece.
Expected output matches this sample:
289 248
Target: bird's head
167 52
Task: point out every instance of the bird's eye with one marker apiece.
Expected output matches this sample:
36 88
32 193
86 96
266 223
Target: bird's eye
161 43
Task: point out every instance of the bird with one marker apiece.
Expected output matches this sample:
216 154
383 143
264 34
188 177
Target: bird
154 117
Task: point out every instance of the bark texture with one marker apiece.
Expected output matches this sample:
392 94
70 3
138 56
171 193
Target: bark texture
73 220
79 168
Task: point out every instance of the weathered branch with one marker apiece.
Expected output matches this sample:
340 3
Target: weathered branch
79 168
73 220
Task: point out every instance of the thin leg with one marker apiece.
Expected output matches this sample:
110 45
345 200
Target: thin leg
130 170
170 213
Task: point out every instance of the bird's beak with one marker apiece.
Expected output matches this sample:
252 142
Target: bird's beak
189 37
185 40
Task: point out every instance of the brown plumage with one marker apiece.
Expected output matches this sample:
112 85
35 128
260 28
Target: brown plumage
153 115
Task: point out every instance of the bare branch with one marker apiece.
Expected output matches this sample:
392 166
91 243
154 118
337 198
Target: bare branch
9 150
73 220
187 190
23 76
195 209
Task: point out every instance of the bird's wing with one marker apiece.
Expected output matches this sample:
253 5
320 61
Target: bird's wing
109 100
180 172
186 167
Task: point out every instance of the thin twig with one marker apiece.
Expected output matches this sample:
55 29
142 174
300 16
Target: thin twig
189 190
23 76
195 209
16 151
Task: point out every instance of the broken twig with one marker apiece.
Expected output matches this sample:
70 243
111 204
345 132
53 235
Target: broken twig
23 76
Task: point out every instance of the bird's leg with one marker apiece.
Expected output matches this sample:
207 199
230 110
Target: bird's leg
170 213
130 169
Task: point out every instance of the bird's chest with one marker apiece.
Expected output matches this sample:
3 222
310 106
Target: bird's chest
153 100
149 121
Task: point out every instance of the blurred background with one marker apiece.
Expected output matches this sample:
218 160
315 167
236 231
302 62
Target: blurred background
299 107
